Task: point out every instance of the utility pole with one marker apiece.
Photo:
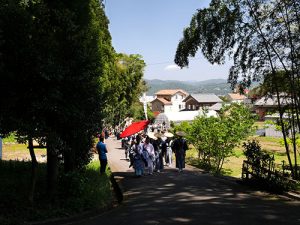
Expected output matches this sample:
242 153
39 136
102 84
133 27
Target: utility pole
144 100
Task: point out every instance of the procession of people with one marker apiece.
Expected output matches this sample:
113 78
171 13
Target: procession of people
150 152
148 149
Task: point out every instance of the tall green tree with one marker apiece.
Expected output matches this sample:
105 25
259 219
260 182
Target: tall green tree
262 38
126 88
216 137
56 58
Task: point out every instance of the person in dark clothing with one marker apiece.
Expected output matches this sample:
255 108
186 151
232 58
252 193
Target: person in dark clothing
180 146
159 165
106 133
102 150
163 149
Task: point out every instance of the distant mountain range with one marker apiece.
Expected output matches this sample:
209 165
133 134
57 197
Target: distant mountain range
216 86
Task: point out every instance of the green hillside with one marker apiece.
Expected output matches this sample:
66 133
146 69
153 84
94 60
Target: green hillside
216 86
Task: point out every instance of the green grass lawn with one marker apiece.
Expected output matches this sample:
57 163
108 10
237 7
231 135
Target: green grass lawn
259 124
233 164
77 193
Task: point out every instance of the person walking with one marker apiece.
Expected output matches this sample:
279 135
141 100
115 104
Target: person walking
151 155
138 163
169 152
159 165
106 133
102 150
169 141
180 146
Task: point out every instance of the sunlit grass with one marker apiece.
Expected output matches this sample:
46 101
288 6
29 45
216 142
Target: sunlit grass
259 125
233 164
14 147
21 152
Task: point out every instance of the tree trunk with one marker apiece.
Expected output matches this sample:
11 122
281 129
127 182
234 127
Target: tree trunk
222 163
34 165
69 161
52 169
283 130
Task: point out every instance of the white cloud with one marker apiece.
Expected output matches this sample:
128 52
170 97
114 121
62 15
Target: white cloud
172 67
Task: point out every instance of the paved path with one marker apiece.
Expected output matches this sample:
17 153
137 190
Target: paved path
190 197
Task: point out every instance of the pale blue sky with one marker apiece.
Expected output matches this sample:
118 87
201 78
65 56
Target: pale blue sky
153 28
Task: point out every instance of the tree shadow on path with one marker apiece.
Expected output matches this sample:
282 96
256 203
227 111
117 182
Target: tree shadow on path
192 197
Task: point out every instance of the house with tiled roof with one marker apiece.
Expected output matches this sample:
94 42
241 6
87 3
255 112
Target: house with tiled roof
236 97
198 101
169 100
269 104
170 92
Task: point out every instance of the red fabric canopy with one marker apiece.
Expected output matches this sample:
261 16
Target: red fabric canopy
134 128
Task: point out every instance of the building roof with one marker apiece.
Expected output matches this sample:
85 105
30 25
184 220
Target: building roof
204 98
271 101
163 101
217 107
170 92
236 96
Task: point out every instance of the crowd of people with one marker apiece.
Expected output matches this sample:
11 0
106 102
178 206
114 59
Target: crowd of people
150 153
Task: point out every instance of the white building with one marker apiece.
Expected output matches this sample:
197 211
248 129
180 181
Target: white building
178 117
170 100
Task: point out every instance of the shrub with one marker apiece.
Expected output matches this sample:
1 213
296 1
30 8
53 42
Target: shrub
263 170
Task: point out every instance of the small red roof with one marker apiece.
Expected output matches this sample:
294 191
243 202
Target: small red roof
156 113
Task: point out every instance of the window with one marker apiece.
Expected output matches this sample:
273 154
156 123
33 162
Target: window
179 107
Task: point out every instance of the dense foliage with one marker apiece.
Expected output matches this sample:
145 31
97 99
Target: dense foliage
125 88
61 79
53 58
262 168
216 137
262 38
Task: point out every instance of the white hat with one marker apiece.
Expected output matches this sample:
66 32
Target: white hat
151 135
168 134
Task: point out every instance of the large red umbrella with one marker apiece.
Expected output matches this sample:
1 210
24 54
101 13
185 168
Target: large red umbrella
134 128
